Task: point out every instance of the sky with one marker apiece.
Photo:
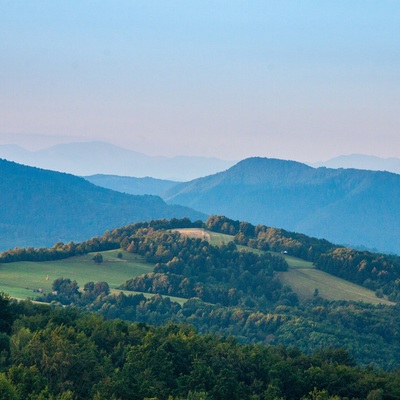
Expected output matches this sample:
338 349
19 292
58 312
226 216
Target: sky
303 80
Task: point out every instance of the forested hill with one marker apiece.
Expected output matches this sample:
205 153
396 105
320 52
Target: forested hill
41 207
347 206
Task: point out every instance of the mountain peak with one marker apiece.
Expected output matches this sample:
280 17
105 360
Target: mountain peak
259 170
342 205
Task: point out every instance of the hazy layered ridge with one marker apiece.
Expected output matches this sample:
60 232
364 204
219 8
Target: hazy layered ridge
104 158
41 207
131 185
362 161
343 205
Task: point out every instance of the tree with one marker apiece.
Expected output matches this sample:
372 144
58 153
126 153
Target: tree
6 315
97 258
7 389
101 288
67 291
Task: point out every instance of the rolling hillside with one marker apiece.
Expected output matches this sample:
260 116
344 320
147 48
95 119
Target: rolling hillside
41 207
346 206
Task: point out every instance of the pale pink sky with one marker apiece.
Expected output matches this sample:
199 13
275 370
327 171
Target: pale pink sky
231 79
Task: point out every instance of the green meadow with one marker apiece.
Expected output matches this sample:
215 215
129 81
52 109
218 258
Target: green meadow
19 279
214 238
304 281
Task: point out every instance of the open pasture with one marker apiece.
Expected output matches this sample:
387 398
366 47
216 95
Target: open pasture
214 238
305 281
19 279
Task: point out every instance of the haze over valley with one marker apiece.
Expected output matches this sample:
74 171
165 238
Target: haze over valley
89 158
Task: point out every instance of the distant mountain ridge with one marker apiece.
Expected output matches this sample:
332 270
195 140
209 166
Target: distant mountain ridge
42 207
362 161
89 158
342 205
131 185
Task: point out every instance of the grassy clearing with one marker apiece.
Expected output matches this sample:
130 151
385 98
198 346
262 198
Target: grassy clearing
305 281
20 278
295 262
199 233
216 239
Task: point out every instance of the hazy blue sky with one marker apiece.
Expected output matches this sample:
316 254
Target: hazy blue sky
304 80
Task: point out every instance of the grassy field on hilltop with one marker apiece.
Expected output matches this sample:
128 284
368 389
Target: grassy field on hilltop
214 238
20 278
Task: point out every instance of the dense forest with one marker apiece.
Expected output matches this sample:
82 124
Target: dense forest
65 354
371 334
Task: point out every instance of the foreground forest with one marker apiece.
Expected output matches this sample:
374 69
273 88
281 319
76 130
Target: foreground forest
65 354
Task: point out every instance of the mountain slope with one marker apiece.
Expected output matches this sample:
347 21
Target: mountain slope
104 158
40 207
345 206
131 185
